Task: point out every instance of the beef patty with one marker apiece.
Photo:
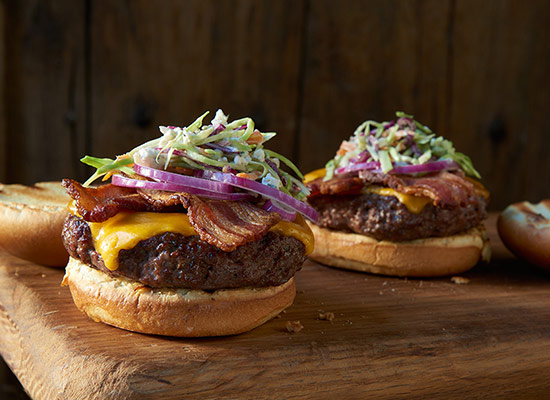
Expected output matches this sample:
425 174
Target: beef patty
177 261
386 218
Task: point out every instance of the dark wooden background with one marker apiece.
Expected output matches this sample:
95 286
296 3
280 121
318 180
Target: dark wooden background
97 77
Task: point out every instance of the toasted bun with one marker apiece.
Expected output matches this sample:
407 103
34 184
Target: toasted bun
31 220
525 230
417 258
173 312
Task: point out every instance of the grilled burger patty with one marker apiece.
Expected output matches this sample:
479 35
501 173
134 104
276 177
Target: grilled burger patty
386 218
177 261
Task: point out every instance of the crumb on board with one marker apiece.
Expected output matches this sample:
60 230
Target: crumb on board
326 316
460 280
294 326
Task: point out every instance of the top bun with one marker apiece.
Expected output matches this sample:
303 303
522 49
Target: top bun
31 220
525 230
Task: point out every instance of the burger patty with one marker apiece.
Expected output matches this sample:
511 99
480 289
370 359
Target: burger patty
178 261
386 218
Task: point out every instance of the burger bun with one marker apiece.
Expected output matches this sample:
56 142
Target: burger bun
31 220
525 230
429 257
132 306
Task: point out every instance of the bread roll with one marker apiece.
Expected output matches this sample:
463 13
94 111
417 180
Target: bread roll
416 258
525 230
31 220
127 304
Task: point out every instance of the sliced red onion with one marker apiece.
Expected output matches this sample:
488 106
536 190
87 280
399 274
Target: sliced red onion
119 180
361 158
273 206
357 167
217 129
433 166
266 191
204 185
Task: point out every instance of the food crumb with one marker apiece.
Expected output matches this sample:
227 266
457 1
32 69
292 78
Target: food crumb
43 275
294 326
460 280
326 316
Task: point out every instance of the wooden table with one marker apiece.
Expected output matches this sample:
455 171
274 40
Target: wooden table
390 338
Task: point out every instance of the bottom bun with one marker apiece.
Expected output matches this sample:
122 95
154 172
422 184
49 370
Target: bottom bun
129 305
416 258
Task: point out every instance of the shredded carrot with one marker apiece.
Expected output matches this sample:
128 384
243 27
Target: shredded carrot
255 138
345 147
252 175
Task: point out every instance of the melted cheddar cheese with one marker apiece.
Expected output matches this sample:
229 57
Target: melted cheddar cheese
479 188
414 204
318 173
126 229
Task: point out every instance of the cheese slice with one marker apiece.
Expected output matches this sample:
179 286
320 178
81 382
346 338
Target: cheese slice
414 204
126 229
318 173
298 230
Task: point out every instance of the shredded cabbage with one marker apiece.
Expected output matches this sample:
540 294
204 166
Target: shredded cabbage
222 145
396 144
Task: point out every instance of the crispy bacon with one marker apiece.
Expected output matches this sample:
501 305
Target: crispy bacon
228 224
444 188
101 203
224 224
162 199
344 184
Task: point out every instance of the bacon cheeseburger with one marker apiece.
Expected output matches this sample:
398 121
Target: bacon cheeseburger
398 200
199 233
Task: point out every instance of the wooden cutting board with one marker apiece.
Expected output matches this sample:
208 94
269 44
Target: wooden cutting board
390 338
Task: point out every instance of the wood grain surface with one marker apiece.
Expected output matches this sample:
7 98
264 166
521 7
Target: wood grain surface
390 338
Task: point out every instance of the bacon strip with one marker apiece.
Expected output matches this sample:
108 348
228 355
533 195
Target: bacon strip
228 224
444 188
224 224
162 199
101 203
340 185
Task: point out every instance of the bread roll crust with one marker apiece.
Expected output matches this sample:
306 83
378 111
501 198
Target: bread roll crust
417 258
525 230
130 305
32 220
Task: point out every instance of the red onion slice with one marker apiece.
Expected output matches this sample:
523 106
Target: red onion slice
433 166
266 191
188 181
119 180
273 206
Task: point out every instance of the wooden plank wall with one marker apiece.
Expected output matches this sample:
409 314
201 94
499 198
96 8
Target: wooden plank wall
98 76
